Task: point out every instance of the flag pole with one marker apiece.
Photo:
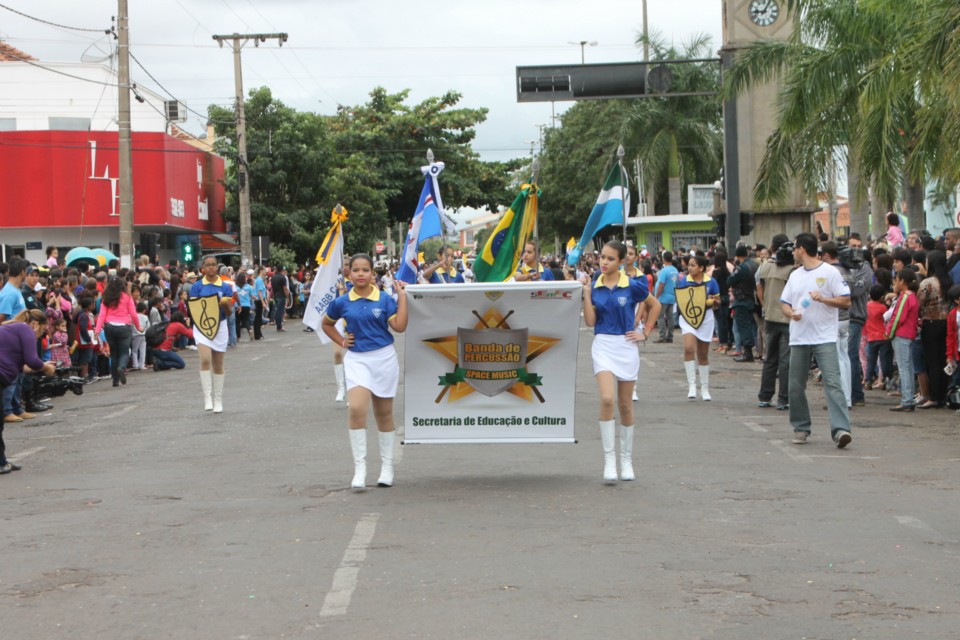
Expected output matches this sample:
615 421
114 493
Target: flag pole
623 185
536 221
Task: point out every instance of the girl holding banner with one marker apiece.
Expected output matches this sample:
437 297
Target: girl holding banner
697 295
609 305
370 365
210 303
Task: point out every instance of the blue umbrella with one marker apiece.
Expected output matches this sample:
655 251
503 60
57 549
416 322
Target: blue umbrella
81 254
103 257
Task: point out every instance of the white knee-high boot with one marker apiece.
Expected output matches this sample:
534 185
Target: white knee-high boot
705 382
691 367
387 438
608 437
341 382
218 393
206 384
626 452
358 444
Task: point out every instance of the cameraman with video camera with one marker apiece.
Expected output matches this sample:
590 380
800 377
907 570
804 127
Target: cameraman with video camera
771 279
18 352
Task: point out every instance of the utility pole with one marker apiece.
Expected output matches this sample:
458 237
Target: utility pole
123 108
243 180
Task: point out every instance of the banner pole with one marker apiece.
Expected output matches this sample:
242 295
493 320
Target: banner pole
624 186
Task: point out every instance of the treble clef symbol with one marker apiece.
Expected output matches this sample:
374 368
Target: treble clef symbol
692 310
206 322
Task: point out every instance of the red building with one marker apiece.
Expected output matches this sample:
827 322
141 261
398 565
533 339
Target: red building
61 188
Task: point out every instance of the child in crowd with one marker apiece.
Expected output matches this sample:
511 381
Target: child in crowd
60 345
877 344
86 338
138 344
903 319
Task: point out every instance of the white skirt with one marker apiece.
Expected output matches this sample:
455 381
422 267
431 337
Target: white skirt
219 342
615 354
378 371
705 332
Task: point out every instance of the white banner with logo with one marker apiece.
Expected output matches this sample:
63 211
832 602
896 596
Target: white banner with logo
491 362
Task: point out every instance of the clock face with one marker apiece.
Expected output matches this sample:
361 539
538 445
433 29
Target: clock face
764 13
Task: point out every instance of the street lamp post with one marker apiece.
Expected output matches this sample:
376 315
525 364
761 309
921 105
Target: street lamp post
583 44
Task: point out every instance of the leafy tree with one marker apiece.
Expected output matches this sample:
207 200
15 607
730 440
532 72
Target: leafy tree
576 159
365 157
865 79
679 139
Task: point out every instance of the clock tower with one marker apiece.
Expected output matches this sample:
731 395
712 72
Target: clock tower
749 119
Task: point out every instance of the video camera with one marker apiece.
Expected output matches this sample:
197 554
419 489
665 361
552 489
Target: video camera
784 255
851 257
64 379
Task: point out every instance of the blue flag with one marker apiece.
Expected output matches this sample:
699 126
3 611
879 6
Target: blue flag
613 201
426 223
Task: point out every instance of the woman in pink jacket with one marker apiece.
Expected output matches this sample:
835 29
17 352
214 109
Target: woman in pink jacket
117 315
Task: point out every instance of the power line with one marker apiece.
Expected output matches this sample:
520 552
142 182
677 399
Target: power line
169 93
53 24
62 73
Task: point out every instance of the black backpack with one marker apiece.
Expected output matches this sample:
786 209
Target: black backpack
156 334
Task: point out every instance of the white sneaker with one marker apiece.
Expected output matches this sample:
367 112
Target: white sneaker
635 398
192 347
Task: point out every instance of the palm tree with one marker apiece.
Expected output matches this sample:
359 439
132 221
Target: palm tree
852 82
679 139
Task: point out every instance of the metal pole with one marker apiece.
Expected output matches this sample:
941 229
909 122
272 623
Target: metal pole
646 35
126 164
624 185
731 160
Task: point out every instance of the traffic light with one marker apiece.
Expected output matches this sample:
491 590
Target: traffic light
746 223
721 229
186 253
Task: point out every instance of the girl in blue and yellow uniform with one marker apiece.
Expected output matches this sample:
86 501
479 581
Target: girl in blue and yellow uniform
697 341
370 364
211 351
609 305
530 267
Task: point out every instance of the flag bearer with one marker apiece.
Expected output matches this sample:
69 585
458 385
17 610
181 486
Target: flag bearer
609 307
530 267
370 365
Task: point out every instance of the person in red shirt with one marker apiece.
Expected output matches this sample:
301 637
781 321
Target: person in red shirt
877 344
164 356
902 329
953 344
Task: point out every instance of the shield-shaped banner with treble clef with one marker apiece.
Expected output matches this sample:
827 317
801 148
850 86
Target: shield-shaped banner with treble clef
692 304
205 312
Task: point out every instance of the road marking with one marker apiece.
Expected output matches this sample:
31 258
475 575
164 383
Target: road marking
116 414
790 451
647 361
287 345
255 358
345 579
913 523
25 454
753 426
845 457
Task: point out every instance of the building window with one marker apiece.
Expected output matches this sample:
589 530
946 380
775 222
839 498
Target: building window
8 124
69 124
653 240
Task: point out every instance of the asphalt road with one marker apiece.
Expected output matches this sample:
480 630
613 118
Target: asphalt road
137 515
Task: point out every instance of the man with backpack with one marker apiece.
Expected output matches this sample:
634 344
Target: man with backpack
160 337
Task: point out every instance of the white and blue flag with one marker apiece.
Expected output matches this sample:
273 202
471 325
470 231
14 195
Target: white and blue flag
427 222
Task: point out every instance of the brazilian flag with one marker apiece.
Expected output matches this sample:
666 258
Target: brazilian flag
501 254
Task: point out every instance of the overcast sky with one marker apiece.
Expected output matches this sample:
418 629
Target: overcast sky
338 50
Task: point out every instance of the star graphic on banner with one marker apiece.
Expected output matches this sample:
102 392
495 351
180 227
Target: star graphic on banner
447 347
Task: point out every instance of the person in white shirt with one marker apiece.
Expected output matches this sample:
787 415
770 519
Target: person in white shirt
811 300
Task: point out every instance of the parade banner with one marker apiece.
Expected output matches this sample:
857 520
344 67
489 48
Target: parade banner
491 362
